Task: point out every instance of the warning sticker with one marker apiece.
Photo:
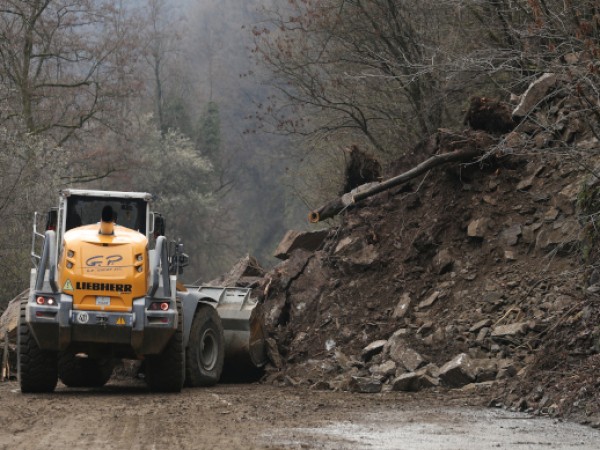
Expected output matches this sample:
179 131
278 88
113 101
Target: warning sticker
68 286
121 321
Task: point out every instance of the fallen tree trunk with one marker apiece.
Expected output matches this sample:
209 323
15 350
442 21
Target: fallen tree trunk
334 207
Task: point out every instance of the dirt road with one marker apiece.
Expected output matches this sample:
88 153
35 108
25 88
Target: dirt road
127 416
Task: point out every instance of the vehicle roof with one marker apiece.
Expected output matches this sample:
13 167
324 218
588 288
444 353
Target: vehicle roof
89 233
108 194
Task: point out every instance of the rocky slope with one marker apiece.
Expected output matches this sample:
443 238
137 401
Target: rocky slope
478 277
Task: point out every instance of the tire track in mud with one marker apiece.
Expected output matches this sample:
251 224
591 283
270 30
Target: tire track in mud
127 416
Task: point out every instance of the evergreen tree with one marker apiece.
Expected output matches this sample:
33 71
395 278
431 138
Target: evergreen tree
209 133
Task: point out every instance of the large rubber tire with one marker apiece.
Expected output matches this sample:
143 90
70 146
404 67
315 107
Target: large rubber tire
37 368
74 371
166 372
206 348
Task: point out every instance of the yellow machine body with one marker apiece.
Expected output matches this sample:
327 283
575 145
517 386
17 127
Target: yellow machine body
103 272
101 291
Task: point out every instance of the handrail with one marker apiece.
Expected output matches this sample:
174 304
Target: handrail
34 256
48 255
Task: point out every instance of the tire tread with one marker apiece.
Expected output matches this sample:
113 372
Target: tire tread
38 369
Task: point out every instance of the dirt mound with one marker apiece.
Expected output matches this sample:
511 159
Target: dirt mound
474 277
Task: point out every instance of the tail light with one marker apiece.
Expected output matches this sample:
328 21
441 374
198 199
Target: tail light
159 306
50 301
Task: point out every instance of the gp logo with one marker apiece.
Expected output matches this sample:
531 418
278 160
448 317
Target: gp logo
103 261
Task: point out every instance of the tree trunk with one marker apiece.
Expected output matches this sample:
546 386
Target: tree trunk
337 205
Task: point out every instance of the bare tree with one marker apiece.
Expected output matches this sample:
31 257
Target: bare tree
65 64
392 72
161 47
30 173
370 70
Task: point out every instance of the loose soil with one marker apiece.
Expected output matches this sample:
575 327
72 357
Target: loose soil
497 246
124 415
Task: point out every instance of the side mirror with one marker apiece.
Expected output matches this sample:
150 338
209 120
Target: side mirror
159 225
178 260
182 261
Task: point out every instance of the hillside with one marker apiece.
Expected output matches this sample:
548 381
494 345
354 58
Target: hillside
479 277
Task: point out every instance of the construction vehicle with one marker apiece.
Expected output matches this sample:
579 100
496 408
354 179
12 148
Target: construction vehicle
104 287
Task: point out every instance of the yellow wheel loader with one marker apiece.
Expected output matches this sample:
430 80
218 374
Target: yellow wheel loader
104 287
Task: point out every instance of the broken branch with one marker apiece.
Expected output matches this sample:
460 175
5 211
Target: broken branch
367 190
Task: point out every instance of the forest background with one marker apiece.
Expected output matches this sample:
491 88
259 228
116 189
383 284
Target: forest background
236 114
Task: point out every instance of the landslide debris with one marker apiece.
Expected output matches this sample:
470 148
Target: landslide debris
477 277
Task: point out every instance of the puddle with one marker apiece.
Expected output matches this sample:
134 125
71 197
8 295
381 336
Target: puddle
442 429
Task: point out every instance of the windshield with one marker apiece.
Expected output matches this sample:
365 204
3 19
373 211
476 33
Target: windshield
84 210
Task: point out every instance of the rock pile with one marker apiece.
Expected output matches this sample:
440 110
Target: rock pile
471 277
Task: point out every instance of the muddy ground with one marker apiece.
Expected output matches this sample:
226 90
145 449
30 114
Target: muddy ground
476 284
251 416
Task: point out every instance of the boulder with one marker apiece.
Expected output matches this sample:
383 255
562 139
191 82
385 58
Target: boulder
566 199
511 330
443 261
402 307
373 349
511 234
478 228
360 259
526 183
429 300
551 215
305 240
506 369
276 312
414 381
562 236
408 382
528 236
322 385
427 381
402 354
483 333
384 370
458 372
479 325
364 385
485 369
273 353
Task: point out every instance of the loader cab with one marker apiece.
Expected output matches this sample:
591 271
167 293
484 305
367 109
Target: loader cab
78 207
87 210
84 207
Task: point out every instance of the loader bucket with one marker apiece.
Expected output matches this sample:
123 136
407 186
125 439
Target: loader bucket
244 335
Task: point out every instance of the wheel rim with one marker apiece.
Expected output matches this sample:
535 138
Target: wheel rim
208 350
